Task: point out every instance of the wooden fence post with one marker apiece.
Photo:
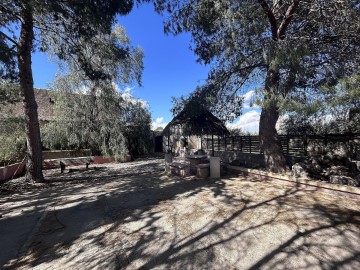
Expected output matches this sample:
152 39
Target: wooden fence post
168 146
326 139
212 142
250 143
287 143
305 144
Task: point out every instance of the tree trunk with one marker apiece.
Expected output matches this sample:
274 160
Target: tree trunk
34 147
269 140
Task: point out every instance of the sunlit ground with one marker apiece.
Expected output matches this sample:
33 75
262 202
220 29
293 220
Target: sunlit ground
135 217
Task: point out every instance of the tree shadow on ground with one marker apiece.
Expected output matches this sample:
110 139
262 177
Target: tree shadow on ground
132 192
156 221
304 248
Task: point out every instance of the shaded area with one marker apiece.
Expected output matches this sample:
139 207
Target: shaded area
131 221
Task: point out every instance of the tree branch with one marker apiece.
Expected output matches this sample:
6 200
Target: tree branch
9 38
288 17
271 17
5 10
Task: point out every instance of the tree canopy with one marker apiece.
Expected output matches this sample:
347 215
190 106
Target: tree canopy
280 46
329 110
27 25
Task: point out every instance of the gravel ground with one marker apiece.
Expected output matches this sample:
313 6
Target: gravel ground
133 216
78 174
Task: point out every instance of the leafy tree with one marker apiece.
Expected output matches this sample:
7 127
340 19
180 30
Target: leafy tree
80 121
113 125
89 111
12 133
326 111
27 25
283 45
12 137
137 118
9 93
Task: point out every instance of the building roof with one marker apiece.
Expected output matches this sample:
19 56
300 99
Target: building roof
195 119
45 100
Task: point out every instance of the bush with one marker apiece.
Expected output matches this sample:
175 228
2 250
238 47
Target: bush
13 141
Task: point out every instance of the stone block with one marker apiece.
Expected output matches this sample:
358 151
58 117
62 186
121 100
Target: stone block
214 167
298 170
341 180
203 170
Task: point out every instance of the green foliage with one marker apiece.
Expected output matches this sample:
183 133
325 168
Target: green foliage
106 123
89 110
12 137
137 118
282 48
325 111
9 93
85 121
28 25
69 25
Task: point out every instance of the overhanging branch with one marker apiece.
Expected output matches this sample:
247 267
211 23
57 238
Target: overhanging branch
271 17
9 38
288 17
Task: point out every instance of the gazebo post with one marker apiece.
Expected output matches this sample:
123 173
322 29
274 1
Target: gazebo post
212 143
168 140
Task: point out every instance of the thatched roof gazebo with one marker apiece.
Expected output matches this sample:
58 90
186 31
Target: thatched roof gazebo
196 120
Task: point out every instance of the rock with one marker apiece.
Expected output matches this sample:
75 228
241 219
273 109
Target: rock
353 182
356 180
357 163
336 170
315 148
352 166
338 151
298 170
341 180
315 167
325 160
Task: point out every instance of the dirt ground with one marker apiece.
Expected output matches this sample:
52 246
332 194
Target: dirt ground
133 216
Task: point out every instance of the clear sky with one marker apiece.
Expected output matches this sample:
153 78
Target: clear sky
170 67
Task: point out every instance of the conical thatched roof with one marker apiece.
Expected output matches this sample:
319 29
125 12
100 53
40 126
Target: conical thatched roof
194 119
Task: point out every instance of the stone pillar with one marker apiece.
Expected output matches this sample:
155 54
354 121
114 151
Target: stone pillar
168 160
215 167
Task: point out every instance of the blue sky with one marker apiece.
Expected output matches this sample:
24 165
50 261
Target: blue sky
170 67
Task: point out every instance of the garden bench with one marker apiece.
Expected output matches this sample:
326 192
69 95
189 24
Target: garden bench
179 168
63 162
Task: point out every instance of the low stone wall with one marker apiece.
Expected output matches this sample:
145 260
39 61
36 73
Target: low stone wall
66 153
253 160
